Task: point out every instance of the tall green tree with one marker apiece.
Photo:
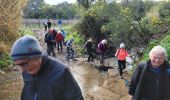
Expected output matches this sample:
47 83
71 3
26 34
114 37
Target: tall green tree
85 3
34 8
165 10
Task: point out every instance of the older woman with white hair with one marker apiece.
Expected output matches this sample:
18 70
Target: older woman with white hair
102 47
121 55
151 79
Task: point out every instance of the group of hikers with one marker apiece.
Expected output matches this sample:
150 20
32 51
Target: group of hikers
54 38
47 78
101 50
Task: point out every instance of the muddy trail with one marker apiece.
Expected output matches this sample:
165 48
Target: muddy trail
95 84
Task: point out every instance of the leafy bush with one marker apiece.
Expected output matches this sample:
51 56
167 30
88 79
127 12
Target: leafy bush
5 60
150 46
165 42
26 31
4 56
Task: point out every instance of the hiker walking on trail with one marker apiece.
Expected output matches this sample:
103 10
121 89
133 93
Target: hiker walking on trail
59 39
151 79
45 77
49 24
55 33
50 40
45 25
70 51
102 47
59 23
121 55
89 46
64 34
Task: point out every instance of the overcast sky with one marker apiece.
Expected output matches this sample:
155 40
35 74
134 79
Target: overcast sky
53 2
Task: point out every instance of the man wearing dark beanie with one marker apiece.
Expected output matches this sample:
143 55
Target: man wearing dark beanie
45 77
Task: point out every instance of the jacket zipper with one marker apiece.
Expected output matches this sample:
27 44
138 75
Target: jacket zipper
35 96
157 90
35 87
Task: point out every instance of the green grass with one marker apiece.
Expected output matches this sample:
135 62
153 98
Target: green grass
26 30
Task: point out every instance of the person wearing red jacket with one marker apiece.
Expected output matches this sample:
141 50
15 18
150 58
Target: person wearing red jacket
121 55
59 38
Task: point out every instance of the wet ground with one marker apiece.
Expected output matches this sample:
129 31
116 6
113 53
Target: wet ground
10 85
95 84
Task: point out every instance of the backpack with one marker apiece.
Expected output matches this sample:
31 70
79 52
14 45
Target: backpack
119 51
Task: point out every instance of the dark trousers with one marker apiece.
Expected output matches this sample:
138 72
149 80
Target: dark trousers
45 27
49 26
59 46
102 58
50 48
122 65
90 57
70 53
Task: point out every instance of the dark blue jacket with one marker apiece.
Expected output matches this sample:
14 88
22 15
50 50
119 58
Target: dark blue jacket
54 81
150 84
49 38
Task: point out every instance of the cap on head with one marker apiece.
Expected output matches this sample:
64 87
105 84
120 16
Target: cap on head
122 45
26 47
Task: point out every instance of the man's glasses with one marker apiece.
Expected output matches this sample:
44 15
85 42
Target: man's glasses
22 64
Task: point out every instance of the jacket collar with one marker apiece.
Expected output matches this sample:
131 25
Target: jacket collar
163 67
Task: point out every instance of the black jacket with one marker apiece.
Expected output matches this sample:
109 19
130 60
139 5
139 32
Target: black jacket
49 38
149 85
54 81
89 46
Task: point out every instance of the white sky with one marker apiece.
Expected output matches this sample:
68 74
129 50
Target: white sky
54 2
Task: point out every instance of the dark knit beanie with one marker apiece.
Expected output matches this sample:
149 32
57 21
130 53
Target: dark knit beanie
26 47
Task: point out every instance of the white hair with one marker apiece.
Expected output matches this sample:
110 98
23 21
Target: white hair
122 45
104 41
159 49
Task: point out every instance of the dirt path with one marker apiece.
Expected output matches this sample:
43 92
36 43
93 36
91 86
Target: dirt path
95 85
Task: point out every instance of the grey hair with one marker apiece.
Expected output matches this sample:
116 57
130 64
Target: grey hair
159 49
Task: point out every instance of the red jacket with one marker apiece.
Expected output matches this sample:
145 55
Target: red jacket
121 54
59 37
